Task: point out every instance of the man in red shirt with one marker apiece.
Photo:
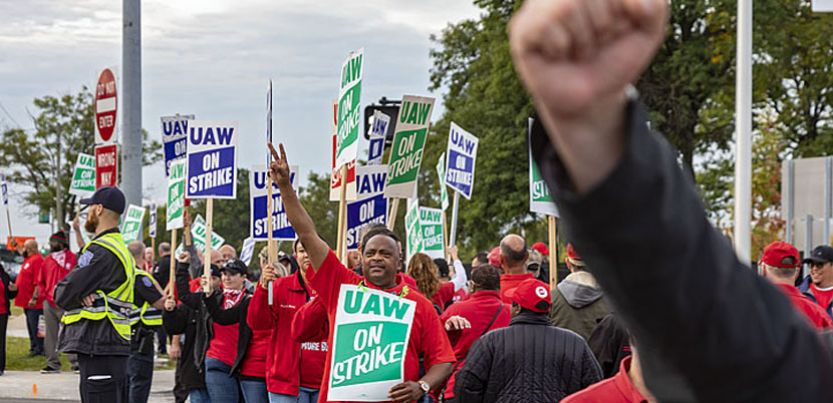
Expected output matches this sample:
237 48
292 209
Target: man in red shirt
55 267
381 260
466 321
779 265
818 286
513 255
28 296
627 386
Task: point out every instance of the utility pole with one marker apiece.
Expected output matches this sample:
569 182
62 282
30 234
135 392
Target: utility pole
131 150
59 199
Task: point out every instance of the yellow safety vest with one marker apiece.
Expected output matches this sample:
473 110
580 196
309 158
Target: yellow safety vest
117 304
149 315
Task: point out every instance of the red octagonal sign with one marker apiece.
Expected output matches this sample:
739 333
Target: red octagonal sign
105 106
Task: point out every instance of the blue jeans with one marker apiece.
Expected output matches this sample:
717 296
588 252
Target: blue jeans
222 388
35 342
305 395
139 372
199 396
254 391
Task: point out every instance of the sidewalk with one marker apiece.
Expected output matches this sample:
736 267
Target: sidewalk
64 386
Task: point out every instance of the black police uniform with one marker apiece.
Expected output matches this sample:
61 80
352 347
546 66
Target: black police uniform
102 352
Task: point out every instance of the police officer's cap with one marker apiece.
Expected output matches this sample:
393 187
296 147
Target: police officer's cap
108 196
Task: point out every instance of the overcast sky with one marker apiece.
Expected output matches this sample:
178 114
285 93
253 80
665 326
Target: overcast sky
212 58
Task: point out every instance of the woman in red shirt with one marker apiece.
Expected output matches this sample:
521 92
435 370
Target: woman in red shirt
426 273
235 351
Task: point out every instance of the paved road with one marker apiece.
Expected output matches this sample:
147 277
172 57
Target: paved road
23 386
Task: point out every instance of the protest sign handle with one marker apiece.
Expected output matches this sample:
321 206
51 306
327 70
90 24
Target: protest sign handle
394 206
169 286
9 220
553 241
342 216
206 257
153 244
445 236
453 240
270 245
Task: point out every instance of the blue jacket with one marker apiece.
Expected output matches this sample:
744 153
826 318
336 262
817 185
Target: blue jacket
804 287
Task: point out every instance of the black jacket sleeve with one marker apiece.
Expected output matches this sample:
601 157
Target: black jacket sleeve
183 290
226 317
472 380
720 330
175 321
84 280
608 342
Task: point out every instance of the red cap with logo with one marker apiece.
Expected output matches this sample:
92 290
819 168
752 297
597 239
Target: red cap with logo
531 294
781 254
541 248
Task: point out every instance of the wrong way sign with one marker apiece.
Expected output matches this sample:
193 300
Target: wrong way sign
106 106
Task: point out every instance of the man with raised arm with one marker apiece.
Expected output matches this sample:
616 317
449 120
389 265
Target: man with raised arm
709 328
381 259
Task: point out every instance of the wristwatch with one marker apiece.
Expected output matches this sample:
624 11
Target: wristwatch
424 386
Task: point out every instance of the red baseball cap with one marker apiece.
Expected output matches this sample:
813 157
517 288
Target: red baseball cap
494 257
781 254
541 248
530 293
571 253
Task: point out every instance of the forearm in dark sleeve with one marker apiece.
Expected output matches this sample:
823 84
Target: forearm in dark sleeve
676 281
471 381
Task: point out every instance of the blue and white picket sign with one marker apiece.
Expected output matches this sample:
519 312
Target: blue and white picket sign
4 189
381 123
370 206
248 250
460 160
152 221
212 160
174 138
281 229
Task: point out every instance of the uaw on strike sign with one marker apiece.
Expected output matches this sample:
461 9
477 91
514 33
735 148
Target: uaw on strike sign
370 340
462 151
212 160
259 192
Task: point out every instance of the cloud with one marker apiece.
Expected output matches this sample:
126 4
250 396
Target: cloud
213 59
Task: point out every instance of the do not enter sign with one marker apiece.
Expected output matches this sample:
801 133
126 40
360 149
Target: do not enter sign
105 107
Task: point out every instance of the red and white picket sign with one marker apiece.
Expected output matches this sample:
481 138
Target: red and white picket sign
106 165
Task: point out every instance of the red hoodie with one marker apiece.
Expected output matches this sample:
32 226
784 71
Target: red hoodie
285 370
310 327
428 338
480 309
55 267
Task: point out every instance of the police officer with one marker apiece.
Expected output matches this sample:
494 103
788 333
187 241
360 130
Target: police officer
97 296
145 319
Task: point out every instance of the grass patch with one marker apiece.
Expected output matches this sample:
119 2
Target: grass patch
16 310
17 356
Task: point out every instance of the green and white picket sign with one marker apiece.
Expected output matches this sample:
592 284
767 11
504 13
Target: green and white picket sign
443 187
83 179
370 341
539 194
132 225
176 196
408 145
198 237
431 225
413 229
349 112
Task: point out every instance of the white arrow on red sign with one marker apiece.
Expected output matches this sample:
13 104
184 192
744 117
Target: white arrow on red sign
106 105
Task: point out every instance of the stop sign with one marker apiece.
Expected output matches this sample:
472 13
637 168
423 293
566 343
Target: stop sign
105 107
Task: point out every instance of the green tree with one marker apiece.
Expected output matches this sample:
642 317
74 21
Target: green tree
31 158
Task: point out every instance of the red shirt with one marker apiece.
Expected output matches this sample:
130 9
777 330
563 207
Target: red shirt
812 311
3 309
460 295
288 365
223 345
427 337
310 327
823 297
444 295
479 310
254 364
617 389
26 281
54 268
510 281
